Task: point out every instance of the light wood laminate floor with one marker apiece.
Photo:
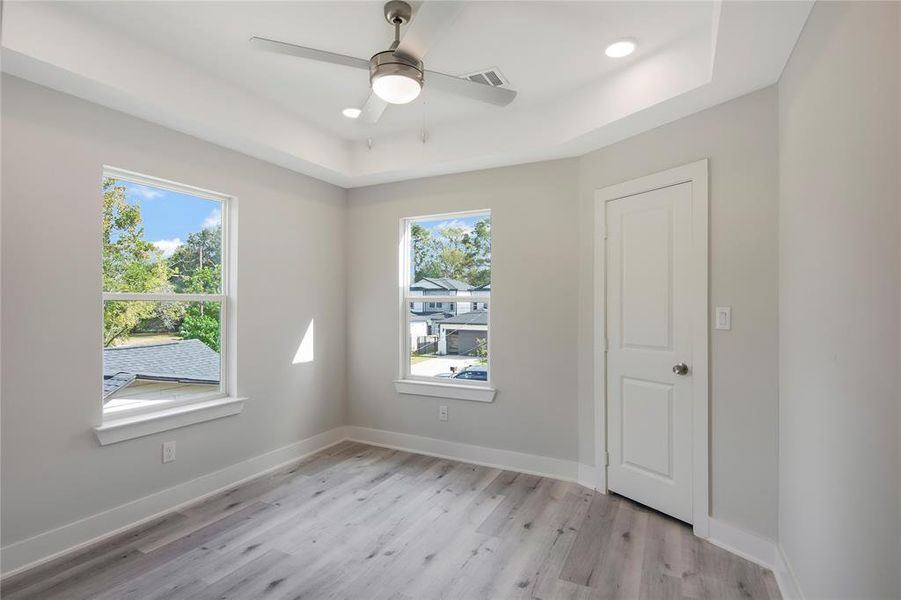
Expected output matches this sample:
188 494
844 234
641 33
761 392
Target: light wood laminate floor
363 522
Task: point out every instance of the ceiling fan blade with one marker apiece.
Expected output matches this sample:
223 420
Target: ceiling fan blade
429 24
309 53
372 109
498 96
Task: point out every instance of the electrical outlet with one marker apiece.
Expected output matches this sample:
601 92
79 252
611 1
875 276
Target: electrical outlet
168 452
723 317
442 413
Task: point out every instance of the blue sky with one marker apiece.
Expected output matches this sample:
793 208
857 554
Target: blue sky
170 216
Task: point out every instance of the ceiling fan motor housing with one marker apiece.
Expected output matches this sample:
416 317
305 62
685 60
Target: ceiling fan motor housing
390 62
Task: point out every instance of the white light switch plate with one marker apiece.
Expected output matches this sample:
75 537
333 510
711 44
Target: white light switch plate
723 317
442 413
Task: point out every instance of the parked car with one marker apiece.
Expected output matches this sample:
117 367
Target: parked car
472 373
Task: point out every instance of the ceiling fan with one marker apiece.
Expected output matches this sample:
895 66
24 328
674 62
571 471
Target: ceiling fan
397 75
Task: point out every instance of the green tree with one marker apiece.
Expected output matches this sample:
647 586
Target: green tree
196 265
130 264
197 269
478 248
201 325
453 252
481 351
453 259
424 252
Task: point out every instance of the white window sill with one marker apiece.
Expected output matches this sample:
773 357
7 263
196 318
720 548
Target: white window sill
127 428
445 390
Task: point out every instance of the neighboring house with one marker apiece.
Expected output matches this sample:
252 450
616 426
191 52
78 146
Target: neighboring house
419 332
482 290
460 334
429 318
440 286
188 362
424 331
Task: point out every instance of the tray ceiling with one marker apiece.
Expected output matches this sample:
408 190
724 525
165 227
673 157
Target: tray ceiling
187 65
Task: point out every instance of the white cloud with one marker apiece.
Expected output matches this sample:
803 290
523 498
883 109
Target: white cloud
167 247
213 219
146 192
466 227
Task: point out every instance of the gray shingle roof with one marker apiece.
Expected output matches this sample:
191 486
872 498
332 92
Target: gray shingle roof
187 361
114 383
476 317
431 317
440 284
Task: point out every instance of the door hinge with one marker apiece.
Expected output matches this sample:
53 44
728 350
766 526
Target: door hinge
606 345
606 459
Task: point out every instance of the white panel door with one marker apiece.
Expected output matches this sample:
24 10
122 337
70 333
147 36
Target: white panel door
649 418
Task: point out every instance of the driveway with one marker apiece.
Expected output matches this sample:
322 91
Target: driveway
441 364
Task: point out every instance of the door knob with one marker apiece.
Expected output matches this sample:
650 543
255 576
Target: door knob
680 368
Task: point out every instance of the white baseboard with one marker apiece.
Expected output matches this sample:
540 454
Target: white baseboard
532 464
46 546
762 551
785 577
743 543
588 477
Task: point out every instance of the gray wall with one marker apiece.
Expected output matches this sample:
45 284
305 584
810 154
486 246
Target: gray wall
290 268
740 139
839 469
542 237
535 279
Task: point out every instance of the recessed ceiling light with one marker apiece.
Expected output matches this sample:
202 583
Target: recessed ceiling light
620 49
351 112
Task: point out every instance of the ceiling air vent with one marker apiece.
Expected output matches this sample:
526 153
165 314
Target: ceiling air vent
490 77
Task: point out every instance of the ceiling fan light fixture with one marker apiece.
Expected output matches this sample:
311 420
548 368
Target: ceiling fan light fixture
396 89
395 78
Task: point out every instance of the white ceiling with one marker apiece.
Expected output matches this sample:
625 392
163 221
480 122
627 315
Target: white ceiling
188 65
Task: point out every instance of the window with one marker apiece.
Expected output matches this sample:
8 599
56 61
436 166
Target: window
164 294
446 257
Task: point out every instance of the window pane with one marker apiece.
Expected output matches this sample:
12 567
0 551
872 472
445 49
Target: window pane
450 257
158 240
159 351
450 347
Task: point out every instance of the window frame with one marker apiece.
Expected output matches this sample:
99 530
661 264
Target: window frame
223 297
405 298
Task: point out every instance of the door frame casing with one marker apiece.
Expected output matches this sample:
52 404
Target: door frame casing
695 173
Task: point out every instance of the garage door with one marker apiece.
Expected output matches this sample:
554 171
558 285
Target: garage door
469 341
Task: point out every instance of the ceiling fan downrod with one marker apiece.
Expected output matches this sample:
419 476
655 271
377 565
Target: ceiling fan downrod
397 13
394 76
